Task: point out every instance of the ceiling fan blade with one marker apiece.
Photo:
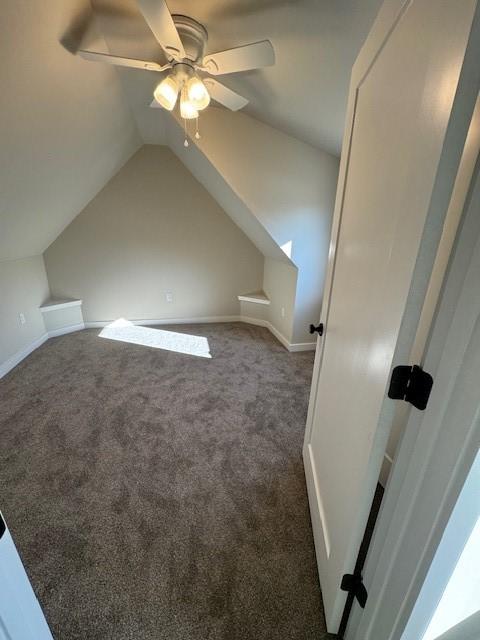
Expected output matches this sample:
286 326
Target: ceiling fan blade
250 56
224 95
122 62
160 21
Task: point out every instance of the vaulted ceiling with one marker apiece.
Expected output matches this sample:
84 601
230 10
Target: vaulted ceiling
304 94
67 125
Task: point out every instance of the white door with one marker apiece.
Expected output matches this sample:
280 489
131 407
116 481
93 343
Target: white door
409 109
21 617
436 458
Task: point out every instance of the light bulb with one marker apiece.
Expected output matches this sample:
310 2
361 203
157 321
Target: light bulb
187 110
166 93
197 93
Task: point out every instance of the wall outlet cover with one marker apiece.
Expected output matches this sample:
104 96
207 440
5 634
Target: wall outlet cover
21 317
169 296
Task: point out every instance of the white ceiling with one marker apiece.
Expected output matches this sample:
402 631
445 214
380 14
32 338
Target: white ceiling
304 94
65 128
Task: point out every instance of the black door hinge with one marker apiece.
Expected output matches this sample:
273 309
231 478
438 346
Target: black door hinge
353 584
411 384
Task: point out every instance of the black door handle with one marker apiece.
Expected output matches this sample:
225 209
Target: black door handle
318 329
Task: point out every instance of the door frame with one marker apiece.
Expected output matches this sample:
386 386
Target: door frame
21 616
434 458
461 115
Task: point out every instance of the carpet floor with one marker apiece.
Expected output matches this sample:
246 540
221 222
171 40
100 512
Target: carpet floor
157 495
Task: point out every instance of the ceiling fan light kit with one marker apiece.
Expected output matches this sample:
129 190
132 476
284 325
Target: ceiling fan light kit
197 93
166 93
183 41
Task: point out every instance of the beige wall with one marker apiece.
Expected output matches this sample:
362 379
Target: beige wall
153 229
280 286
280 283
288 186
23 289
63 319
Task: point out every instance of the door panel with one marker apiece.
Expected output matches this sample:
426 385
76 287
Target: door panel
401 105
21 617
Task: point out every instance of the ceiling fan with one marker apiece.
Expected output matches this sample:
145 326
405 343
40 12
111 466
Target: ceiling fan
183 41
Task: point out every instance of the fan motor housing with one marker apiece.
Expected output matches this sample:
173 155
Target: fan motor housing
193 35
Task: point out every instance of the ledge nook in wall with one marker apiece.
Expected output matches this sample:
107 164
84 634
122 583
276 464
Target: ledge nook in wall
54 305
257 297
62 316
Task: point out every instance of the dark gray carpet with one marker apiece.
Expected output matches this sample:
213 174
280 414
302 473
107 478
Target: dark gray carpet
154 495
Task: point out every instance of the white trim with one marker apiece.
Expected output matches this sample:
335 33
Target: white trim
317 511
449 153
436 450
256 298
97 324
302 346
53 305
290 346
264 323
12 362
63 330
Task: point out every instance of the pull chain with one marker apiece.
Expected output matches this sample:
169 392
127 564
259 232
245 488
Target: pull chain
197 133
185 144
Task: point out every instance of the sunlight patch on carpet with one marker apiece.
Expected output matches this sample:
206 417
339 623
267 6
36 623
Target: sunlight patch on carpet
125 331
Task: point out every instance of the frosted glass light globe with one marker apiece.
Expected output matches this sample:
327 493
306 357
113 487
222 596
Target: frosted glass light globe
166 93
187 110
197 93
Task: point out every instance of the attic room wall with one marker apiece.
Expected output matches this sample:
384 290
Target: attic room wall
64 126
153 229
289 186
280 285
64 130
23 288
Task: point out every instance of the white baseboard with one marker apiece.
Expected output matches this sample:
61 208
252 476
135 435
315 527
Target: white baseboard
265 323
12 362
70 329
98 324
303 346
23 353
299 346
290 346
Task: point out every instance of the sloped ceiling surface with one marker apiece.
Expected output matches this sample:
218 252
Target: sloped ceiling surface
304 94
210 176
65 128
68 125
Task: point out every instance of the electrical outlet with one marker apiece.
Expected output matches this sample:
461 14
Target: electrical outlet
282 312
169 296
21 317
